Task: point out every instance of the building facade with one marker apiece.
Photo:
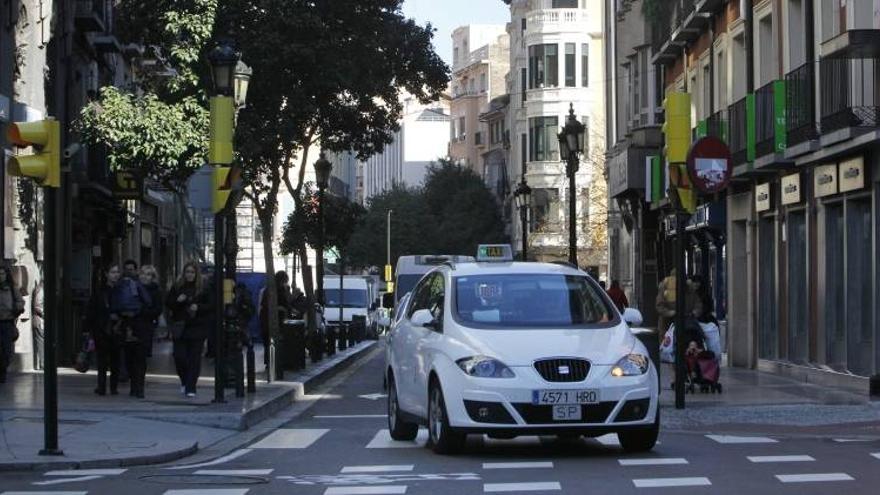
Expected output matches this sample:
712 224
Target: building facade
481 60
792 87
556 53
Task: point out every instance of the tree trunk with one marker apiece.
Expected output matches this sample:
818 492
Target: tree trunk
309 289
271 291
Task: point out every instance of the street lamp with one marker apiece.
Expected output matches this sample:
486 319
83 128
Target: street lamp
323 167
224 59
242 79
522 196
571 146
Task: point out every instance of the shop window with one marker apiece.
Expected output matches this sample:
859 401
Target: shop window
768 315
798 300
859 287
835 307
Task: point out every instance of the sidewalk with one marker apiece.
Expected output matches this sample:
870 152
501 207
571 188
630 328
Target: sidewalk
757 402
108 431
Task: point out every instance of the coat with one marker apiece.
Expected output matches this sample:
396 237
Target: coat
11 303
98 312
199 325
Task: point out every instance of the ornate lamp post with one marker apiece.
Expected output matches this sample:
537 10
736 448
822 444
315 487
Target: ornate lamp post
522 196
323 167
571 146
241 82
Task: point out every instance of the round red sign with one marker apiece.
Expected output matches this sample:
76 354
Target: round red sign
709 165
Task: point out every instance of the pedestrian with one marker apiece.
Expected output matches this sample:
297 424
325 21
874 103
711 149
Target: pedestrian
700 300
149 278
190 306
130 310
37 325
618 297
603 285
665 302
11 307
282 287
101 330
129 271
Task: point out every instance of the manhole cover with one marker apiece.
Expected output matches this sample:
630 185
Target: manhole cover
204 479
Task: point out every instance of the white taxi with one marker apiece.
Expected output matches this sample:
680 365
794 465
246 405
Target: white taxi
507 348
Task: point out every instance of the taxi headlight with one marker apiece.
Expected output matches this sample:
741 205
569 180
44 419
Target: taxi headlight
484 367
631 365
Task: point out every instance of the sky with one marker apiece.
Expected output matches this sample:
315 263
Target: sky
446 15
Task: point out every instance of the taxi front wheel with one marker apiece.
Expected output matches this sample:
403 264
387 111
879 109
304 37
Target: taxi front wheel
640 440
443 438
397 427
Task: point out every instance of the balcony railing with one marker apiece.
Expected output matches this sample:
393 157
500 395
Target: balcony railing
716 125
765 129
850 93
800 117
738 133
89 15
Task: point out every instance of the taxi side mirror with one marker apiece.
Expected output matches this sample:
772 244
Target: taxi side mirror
424 318
632 317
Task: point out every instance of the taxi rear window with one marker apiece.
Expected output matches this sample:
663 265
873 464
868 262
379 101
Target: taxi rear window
530 300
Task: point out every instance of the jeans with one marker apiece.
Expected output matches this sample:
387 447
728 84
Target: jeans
188 361
7 346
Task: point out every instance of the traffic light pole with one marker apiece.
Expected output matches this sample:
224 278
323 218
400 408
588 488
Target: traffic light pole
219 314
680 310
50 324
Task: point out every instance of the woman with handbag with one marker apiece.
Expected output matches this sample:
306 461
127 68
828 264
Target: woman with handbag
105 332
11 307
190 307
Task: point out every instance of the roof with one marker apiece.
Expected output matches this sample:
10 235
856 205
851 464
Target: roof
434 115
518 267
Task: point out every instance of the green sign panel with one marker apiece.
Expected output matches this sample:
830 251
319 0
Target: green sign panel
779 114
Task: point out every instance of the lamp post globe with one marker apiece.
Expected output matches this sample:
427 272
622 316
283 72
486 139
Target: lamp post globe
323 167
242 77
223 59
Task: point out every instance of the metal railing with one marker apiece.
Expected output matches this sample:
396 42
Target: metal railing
765 129
716 125
668 19
738 140
800 99
850 93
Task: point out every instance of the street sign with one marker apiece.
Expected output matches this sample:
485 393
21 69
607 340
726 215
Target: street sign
709 165
388 273
128 184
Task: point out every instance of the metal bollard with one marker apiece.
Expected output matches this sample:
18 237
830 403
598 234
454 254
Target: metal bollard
343 336
251 370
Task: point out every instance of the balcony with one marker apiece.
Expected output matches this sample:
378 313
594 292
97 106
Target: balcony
555 20
716 125
738 132
89 15
800 117
679 24
850 92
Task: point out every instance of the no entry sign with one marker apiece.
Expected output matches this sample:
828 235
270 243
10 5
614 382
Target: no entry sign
709 165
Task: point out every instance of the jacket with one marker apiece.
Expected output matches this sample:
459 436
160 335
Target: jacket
11 303
129 297
196 326
153 311
98 312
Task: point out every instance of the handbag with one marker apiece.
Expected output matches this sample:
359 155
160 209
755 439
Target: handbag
84 356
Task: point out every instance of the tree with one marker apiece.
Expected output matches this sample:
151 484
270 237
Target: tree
328 72
303 226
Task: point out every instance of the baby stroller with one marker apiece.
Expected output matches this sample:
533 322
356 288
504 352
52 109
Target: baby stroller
703 344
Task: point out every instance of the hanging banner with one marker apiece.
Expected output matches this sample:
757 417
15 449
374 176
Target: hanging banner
852 174
779 116
762 197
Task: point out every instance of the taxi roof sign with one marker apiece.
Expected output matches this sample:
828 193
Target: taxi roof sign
494 252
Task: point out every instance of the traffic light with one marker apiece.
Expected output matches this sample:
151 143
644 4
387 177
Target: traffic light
677 126
222 128
44 165
221 190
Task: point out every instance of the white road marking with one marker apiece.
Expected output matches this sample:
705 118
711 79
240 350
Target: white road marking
850 440
234 472
780 458
86 472
534 486
220 460
814 477
290 438
383 440
517 465
373 396
876 454
59 481
209 491
733 439
366 490
668 482
609 440
377 469
44 493
349 416
660 461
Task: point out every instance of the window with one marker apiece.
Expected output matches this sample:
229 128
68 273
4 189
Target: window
570 79
721 81
461 129
522 25
707 86
351 298
483 83
542 136
455 56
585 119
523 151
768 315
523 82
478 138
585 65
531 301
565 4
798 297
545 209
429 295
543 66
471 87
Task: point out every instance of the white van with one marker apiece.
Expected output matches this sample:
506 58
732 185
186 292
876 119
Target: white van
411 269
355 298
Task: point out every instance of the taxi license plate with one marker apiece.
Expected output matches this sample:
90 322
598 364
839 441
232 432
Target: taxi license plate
567 412
564 397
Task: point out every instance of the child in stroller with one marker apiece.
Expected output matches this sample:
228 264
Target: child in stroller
702 363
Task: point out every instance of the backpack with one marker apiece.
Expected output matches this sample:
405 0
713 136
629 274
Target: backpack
128 296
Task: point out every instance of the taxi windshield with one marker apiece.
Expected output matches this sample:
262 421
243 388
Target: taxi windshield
530 300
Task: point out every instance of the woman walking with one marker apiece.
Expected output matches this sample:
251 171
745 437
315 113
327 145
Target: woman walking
102 329
190 308
11 307
139 340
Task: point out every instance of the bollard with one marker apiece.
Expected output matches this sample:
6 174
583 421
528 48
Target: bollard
343 336
251 370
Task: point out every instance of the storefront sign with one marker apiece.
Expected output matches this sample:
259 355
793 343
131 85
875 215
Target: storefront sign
791 189
852 174
762 197
128 184
825 180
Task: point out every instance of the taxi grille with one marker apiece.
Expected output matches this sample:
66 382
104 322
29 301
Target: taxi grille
563 370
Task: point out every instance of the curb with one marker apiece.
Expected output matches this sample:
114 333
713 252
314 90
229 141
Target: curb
311 380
